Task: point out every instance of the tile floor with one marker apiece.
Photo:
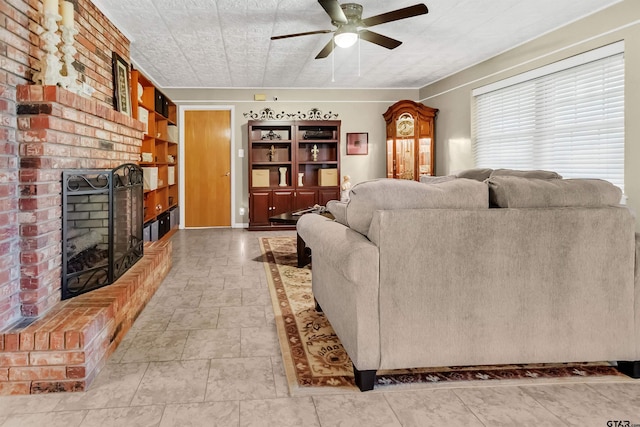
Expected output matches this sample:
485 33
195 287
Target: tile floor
204 352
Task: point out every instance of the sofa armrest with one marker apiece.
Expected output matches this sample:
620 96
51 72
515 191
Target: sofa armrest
637 295
637 265
347 251
345 282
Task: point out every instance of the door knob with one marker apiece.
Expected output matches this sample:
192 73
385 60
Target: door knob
227 174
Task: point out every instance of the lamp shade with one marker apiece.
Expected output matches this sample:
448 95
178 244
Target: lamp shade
346 36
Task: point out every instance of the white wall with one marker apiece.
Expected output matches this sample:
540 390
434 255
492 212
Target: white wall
358 110
452 95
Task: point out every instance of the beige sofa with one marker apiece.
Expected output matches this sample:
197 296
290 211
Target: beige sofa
425 275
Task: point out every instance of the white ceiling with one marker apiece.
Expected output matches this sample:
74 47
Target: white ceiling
226 43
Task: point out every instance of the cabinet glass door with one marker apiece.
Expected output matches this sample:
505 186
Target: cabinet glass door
405 158
424 157
391 162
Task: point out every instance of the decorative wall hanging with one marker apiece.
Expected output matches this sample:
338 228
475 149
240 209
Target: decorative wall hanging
121 92
269 114
358 143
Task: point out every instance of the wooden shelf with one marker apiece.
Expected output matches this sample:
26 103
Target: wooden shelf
157 151
267 154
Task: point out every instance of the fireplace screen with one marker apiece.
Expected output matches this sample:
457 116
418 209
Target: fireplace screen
102 216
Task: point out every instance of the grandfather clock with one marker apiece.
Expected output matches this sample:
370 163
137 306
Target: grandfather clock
410 140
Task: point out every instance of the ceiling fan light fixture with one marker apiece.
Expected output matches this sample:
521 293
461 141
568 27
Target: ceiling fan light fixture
346 36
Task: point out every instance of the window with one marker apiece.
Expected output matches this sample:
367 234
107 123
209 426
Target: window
567 117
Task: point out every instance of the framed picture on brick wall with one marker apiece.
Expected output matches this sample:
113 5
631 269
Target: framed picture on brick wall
121 87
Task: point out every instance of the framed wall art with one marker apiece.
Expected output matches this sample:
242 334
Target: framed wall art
121 88
358 143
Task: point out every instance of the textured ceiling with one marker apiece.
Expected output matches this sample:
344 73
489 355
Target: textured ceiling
226 43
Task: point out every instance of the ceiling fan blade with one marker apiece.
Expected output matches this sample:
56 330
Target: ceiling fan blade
286 36
326 50
379 39
333 9
407 12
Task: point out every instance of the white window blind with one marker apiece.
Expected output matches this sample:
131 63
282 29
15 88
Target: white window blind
570 121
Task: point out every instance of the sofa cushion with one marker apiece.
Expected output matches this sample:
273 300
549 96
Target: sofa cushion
427 179
384 194
518 192
540 174
479 174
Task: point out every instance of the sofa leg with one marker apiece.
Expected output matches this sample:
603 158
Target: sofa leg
318 308
365 380
631 369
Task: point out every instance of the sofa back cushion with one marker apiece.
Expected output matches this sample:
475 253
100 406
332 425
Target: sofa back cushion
540 174
480 174
384 194
518 192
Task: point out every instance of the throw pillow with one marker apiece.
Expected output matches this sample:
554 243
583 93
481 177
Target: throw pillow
479 174
427 179
517 192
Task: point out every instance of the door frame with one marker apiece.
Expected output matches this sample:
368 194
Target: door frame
182 109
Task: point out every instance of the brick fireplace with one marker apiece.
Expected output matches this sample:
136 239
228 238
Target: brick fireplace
47 344
102 216
59 130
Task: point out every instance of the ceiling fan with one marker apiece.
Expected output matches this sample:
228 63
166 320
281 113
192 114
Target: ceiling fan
347 17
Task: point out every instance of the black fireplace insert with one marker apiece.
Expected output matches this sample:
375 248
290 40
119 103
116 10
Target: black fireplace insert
102 226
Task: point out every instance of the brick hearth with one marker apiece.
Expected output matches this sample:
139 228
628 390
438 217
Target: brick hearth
66 348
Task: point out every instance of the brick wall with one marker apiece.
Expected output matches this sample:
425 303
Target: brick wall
95 42
28 176
15 46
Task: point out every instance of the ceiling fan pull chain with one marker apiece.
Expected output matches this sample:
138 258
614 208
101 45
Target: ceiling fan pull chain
358 56
333 62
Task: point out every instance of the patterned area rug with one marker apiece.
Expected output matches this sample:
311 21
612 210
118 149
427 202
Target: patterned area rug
315 360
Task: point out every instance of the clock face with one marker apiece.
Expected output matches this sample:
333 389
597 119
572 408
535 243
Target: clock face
404 125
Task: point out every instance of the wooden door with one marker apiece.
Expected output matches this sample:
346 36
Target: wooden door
282 201
207 168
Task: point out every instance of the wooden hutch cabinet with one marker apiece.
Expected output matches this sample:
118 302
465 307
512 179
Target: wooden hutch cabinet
292 165
410 140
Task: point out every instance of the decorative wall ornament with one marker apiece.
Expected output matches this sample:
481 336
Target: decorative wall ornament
315 114
50 64
70 80
269 114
